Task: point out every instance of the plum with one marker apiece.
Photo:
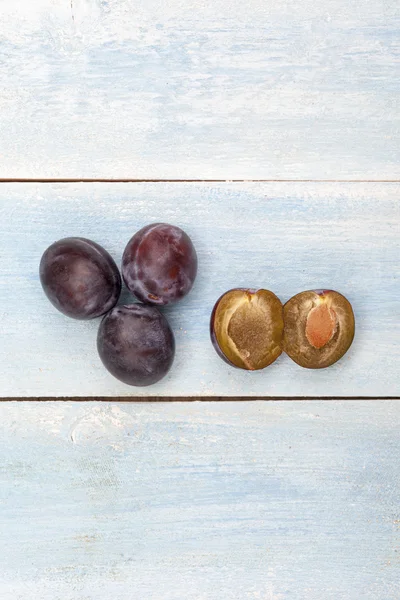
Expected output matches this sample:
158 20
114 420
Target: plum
80 278
319 328
159 264
247 328
136 344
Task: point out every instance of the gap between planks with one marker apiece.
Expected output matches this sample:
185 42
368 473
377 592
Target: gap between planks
94 180
148 399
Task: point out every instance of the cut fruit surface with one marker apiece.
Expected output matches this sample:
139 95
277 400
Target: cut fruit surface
320 325
319 328
247 328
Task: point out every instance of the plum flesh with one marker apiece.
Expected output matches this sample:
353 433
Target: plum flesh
319 328
247 327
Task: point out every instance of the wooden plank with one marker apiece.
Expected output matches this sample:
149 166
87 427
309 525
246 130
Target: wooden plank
203 501
285 237
292 89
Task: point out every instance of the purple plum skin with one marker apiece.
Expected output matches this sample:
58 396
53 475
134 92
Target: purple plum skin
159 264
80 278
136 344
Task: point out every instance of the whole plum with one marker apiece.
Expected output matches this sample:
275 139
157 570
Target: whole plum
136 344
159 264
80 278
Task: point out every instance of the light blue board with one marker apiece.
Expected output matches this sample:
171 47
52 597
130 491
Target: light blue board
200 501
203 501
292 89
283 236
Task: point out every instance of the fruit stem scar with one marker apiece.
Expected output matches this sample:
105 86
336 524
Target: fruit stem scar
321 325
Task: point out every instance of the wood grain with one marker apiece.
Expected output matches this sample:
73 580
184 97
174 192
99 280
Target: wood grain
203 501
292 89
285 237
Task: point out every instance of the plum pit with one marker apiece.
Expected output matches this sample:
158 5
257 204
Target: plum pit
320 325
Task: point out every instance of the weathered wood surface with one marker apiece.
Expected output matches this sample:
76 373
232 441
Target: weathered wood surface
292 89
285 237
201 501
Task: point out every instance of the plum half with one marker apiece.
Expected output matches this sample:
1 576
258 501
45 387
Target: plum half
319 328
247 328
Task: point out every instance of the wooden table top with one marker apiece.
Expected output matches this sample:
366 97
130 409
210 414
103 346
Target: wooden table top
269 131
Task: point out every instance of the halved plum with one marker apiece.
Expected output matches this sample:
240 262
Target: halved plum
247 328
319 328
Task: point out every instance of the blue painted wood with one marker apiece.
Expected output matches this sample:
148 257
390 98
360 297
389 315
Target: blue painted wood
201 501
285 237
224 89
